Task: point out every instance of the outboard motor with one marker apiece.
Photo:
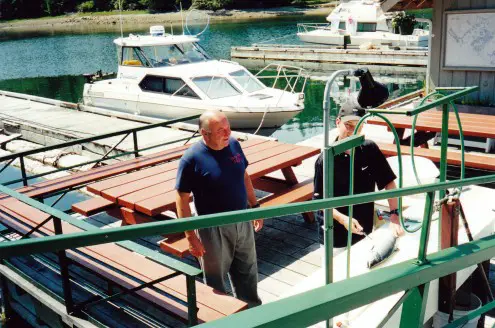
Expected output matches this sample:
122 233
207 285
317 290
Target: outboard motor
157 30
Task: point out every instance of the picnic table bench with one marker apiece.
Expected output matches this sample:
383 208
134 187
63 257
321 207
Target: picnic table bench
477 161
473 125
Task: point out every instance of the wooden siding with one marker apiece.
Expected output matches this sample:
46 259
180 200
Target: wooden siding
446 78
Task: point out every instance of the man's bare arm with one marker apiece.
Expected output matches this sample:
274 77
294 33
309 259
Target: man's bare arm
196 248
251 196
394 219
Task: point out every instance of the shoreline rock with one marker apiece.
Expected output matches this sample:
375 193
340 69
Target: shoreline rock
111 22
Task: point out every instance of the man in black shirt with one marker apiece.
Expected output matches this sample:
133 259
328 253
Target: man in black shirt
370 169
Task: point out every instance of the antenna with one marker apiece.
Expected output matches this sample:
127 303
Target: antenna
121 31
182 18
196 22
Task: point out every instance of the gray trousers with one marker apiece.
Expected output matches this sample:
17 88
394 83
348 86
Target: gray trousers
230 249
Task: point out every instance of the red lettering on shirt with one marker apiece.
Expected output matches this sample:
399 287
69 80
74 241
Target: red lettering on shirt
236 158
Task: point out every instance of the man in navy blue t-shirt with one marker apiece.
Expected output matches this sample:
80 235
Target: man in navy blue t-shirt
214 170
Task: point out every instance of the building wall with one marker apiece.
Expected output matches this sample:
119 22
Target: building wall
447 78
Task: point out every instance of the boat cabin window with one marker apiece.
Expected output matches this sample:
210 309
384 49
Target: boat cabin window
247 81
174 54
366 27
132 56
216 87
167 85
342 26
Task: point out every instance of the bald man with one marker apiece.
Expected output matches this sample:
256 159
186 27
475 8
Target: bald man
214 170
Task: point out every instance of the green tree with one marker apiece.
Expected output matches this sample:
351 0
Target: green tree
213 4
102 5
159 5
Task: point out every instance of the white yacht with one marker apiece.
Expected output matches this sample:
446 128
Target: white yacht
171 76
365 22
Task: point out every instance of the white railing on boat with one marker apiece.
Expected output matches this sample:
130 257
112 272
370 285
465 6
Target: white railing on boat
308 27
291 74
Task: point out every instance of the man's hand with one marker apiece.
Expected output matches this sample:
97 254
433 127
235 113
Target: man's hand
196 248
356 227
395 225
257 224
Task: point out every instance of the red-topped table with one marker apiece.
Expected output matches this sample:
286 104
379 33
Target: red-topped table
151 191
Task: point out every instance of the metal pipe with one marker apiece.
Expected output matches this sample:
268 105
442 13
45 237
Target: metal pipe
430 36
328 181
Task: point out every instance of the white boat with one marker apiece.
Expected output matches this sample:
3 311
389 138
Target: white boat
171 76
365 23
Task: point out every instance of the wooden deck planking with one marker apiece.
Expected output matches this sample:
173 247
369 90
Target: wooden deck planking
280 235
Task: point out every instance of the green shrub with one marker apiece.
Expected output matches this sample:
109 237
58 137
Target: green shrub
212 4
85 7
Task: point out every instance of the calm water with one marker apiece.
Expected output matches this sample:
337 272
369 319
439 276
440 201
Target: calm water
50 65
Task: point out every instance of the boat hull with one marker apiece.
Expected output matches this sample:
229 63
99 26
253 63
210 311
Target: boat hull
248 118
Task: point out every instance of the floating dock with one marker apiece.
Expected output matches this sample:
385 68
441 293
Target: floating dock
316 58
289 255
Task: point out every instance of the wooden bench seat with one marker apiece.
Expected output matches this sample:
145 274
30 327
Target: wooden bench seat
477 161
124 263
92 206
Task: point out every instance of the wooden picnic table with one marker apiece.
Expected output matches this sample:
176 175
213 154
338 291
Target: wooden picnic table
151 191
476 125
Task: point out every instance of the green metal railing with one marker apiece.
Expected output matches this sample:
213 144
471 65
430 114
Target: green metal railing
181 268
370 289
127 132
413 276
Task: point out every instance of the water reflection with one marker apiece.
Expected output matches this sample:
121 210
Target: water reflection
50 63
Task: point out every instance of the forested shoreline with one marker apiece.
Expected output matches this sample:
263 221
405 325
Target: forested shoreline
20 9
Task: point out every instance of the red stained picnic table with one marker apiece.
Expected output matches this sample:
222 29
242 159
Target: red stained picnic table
476 125
151 191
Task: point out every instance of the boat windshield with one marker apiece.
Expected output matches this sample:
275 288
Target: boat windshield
215 87
247 81
174 54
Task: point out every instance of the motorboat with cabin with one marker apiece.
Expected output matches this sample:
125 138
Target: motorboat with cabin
170 76
365 22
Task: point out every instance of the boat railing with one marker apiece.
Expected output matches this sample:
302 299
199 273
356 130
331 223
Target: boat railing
308 27
293 77
228 61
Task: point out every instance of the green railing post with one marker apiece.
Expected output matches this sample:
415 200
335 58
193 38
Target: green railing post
64 269
414 307
425 231
135 141
23 171
192 309
7 308
328 159
443 163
